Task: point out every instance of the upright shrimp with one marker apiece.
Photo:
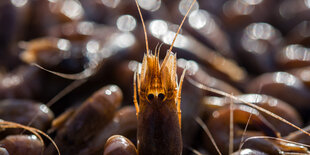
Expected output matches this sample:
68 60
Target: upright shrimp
158 110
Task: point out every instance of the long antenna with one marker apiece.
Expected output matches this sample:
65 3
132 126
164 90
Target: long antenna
207 131
144 29
175 37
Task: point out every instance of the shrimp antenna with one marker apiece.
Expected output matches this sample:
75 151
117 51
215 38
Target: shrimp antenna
144 29
207 131
76 76
175 37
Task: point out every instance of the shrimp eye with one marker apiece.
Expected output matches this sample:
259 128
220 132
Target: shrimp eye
161 96
150 97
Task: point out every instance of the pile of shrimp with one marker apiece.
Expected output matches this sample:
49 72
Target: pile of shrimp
68 68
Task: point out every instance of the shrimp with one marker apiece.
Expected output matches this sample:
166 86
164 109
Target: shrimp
158 110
